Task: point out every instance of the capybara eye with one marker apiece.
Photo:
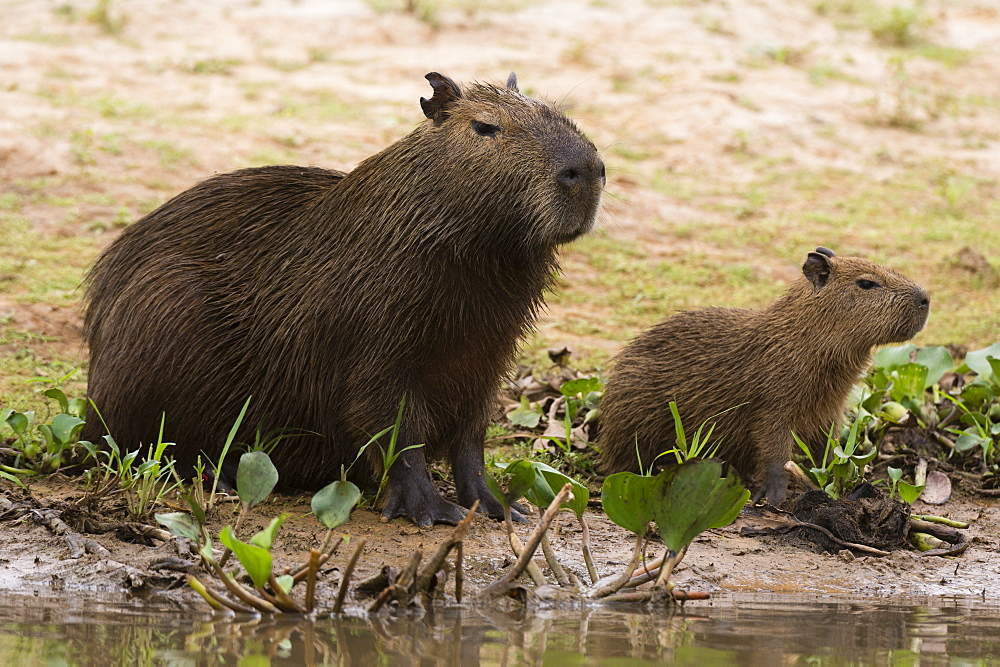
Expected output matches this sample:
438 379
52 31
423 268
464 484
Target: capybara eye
867 284
485 129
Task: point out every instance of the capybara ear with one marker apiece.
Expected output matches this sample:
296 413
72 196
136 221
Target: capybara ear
817 268
826 251
446 92
512 82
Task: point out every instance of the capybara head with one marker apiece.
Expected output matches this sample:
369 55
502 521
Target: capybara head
493 153
858 303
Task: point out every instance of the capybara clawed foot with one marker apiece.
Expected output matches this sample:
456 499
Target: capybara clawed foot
422 505
774 487
488 504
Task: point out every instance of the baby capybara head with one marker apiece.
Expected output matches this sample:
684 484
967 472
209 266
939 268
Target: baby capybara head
860 301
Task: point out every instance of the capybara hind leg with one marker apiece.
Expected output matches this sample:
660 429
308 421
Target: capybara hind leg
468 467
411 494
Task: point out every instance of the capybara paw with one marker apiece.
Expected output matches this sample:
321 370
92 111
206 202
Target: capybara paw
422 509
774 487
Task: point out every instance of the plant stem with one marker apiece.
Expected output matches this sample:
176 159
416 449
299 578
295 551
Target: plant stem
342 591
502 585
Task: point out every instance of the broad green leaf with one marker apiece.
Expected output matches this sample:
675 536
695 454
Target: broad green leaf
548 482
977 360
938 361
57 394
909 493
967 442
580 386
692 497
65 427
522 478
910 381
333 503
180 524
265 538
48 436
623 496
255 560
255 477
78 407
895 474
977 393
525 416
18 421
890 358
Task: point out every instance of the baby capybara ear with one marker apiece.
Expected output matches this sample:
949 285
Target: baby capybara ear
446 92
512 82
817 267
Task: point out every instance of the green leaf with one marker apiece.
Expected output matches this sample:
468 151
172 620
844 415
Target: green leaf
977 360
895 474
65 427
496 490
968 441
48 436
692 497
255 477
525 416
333 503
548 482
18 421
255 560
938 361
57 394
623 496
285 582
12 478
910 382
908 492
580 386
78 407
890 358
180 524
522 478
265 538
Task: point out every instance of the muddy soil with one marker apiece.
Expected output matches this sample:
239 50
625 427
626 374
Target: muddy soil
104 115
34 559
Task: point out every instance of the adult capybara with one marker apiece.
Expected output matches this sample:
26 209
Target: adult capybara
788 367
329 296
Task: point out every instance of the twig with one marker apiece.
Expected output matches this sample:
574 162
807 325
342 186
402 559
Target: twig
944 532
802 478
794 523
303 570
436 561
216 599
240 592
588 557
943 439
502 585
313 568
534 571
988 492
459 574
613 584
342 591
550 558
283 600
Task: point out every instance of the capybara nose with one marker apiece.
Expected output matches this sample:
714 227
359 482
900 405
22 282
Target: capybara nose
582 171
922 299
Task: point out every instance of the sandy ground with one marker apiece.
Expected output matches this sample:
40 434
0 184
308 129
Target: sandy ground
100 123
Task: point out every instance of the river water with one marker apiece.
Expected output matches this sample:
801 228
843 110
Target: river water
745 629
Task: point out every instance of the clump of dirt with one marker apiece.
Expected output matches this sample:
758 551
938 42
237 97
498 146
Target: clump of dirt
865 516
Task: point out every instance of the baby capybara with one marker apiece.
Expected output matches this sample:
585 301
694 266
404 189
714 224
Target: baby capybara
788 367
329 296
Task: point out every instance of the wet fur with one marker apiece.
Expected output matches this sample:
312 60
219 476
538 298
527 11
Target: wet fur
328 296
789 367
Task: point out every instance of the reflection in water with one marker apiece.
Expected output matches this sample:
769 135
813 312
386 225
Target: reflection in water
736 629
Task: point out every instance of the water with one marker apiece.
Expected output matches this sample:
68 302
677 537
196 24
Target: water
739 629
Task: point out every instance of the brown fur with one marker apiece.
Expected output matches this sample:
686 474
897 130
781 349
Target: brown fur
328 296
789 367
